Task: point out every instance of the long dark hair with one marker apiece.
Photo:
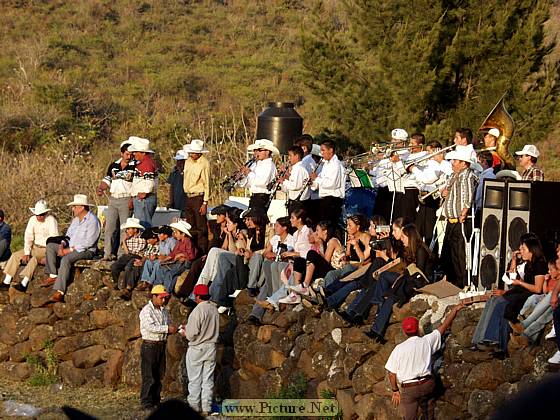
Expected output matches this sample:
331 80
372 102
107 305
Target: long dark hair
327 226
302 214
415 242
260 220
533 244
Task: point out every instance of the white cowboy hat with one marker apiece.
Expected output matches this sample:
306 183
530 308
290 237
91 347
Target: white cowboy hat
508 173
530 150
466 154
180 155
41 207
138 144
494 132
182 226
80 200
195 146
399 134
316 150
132 222
264 144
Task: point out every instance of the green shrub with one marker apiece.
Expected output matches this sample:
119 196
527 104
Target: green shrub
45 368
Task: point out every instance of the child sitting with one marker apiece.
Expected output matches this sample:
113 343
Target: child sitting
151 252
166 244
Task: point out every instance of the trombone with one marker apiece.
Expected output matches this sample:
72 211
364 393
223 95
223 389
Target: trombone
416 161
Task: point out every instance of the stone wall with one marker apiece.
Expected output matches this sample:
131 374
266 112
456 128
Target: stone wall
96 336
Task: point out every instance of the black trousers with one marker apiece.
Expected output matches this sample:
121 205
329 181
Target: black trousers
383 201
426 219
124 263
198 222
310 207
453 256
330 209
406 204
152 365
259 201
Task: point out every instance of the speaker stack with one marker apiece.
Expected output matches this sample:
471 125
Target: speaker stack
510 209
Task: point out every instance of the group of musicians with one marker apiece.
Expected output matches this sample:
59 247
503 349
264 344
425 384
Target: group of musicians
412 179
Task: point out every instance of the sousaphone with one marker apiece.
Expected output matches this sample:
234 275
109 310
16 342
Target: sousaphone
499 118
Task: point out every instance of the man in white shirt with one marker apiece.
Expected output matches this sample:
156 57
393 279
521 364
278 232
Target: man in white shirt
260 174
330 183
410 365
296 181
40 227
408 202
154 328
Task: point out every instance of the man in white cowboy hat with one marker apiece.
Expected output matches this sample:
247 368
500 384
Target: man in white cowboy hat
528 160
81 244
458 196
118 181
177 198
196 185
144 183
260 174
40 227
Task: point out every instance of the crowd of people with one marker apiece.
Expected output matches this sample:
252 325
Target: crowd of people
311 256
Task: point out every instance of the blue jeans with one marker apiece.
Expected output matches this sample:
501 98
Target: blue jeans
383 316
144 209
167 274
556 319
340 292
541 315
334 275
149 271
386 280
498 327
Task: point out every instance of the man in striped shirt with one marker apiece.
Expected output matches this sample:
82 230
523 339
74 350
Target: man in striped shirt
458 199
528 160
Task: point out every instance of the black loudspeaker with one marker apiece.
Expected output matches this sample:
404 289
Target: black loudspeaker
532 207
491 263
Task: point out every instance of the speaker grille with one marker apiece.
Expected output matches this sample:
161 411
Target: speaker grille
488 271
491 232
516 229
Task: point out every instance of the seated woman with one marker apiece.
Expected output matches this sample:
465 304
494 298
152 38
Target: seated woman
493 328
281 278
399 288
329 256
539 306
357 254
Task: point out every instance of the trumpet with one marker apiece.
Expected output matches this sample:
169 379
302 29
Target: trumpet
436 193
228 184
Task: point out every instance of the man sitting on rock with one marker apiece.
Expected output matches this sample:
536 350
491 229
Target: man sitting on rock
5 239
83 234
40 227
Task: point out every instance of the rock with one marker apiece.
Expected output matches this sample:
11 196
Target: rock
70 374
455 396
22 301
336 335
367 375
352 335
88 357
264 355
309 325
304 364
481 403
95 375
455 374
520 363
365 406
40 335
139 299
81 322
65 345
17 371
444 410
486 376
301 343
20 351
270 383
265 333
357 353
131 323
62 310
418 306
4 352
286 318
336 376
345 398
40 315
281 342
243 299
63 328
131 374
240 385
324 389
176 346
40 297
23 329
243 336
112 337
84 287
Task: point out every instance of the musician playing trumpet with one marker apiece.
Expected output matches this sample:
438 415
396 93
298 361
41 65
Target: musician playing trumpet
260 174
295 181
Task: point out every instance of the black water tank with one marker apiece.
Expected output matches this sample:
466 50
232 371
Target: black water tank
281 124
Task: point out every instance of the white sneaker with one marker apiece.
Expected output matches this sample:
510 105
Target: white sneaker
235 294
222 309
555 360
551 335
300 289
291 299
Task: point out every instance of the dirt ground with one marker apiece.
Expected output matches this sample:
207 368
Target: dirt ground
101 402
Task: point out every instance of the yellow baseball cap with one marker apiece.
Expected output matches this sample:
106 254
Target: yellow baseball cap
159 290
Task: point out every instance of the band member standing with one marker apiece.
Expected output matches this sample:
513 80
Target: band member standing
388 177
260 174
196 183
409 201
295 181
310 165
330 183
528 160
463 136
458 197
490 142
430 177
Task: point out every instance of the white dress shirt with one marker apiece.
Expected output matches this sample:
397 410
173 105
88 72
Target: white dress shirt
409 179
262 173
154 323
37 233
297 182
432 173
389 174
330 181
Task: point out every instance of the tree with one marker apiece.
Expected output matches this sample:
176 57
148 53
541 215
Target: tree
430 65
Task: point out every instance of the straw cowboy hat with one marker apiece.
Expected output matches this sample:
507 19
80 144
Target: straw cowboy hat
530 150
80 200
195 146
182 226
41 207
264 144
138 144
466 154
399 134
180 155
132 222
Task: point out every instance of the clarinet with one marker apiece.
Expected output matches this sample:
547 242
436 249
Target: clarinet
309 182
228 184
274 185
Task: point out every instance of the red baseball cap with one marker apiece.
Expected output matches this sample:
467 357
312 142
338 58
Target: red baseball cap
410 325
201 290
